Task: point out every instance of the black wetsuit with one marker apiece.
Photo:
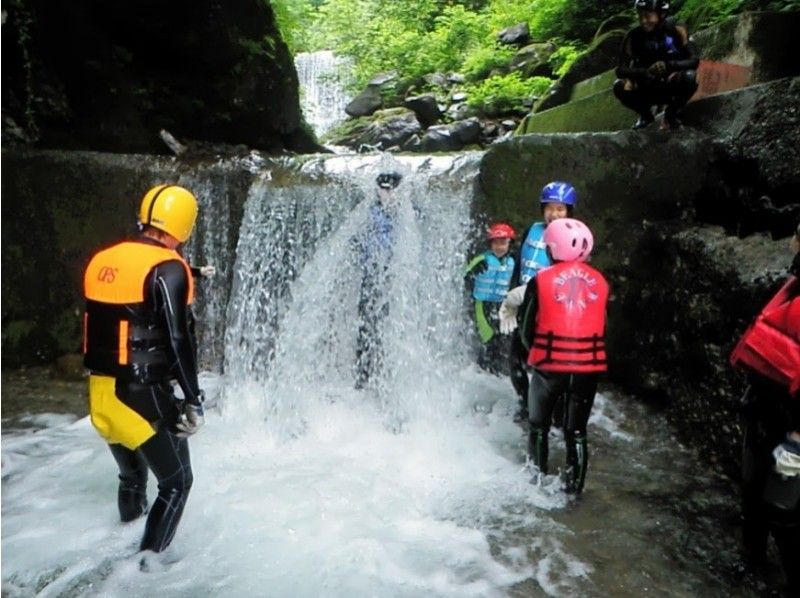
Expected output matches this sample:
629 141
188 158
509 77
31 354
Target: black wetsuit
674 88
769 413
167 455
578 391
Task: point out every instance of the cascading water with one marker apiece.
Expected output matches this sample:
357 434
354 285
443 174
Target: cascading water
411 485
294 311
323 87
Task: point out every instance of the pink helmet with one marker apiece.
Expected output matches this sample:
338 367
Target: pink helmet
569 240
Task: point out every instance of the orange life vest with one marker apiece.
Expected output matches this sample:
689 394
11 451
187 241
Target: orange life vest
569 333
771 345
121 335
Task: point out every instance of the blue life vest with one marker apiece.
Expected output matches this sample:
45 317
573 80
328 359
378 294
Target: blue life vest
533 255
492 284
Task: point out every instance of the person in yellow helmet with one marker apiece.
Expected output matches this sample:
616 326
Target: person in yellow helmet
138 338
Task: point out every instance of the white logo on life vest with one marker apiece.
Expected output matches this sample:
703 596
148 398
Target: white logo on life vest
575 288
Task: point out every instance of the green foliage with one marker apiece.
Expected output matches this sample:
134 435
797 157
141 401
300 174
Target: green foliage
701 13
480 62
416 37
294 18
504 94
563 57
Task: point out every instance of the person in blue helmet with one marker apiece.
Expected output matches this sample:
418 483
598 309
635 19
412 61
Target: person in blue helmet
558 200
488 276
657 66
374 247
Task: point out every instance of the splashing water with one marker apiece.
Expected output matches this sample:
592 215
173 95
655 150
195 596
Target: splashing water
411 485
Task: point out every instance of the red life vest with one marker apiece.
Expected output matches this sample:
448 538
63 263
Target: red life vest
771 346
569 333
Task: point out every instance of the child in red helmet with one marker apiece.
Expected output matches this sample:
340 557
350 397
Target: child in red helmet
489 276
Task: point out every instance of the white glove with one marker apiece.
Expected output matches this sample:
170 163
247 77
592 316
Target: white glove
515 296
207 271
508 318
787 458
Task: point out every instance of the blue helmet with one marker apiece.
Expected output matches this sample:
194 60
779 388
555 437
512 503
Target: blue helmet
559 191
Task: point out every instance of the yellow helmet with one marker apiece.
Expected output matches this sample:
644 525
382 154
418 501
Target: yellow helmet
170 208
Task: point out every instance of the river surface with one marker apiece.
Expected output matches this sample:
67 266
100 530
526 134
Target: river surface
374 512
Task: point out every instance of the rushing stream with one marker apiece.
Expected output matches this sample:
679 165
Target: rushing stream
414 485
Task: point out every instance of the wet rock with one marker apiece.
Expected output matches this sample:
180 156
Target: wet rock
108 77
532 60
456 78
601 56
425 107
691 291
623 22
381 79
518 35
757 40
444 138
365 103
437 80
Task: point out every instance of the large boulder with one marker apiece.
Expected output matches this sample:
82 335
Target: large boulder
447 138
365 103
426 107
757 156
60 206
689 292
518 35
602 55
532 60
110 76
385 129
760 41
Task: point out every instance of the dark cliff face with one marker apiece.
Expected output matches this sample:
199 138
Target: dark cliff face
86 74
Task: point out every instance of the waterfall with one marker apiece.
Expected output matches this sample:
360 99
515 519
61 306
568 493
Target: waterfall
293 317
323 82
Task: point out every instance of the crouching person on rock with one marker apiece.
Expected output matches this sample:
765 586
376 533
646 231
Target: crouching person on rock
138 339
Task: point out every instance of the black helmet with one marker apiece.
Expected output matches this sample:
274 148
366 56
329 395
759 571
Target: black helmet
661 6
388 180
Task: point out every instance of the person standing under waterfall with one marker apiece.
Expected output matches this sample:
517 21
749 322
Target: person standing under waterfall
489 275
138 338
657 66
769 351
563 327
374 247
557 200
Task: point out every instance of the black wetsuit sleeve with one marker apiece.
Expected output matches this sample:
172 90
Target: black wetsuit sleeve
688 59
169 287
527 314
625 70
195 271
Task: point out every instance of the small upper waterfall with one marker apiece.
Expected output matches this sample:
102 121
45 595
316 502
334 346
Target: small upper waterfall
323 82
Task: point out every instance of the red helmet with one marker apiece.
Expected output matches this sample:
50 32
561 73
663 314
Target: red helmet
501 230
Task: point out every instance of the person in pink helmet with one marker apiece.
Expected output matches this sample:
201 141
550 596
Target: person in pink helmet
562 325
